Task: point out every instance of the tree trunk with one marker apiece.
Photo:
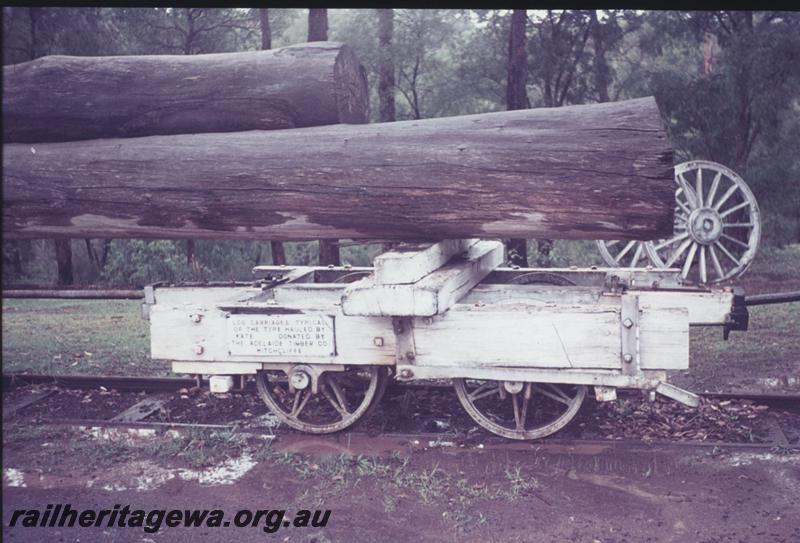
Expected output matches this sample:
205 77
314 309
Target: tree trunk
601 70
600 171
329 253
266 32
33 18
276 247
317 24
517 98
318 31
278 253
94 260
516 94
12 258
106 251
386 65
62 98
63 246
386 79
190 260
64 261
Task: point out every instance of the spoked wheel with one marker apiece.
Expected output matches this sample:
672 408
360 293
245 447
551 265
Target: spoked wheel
519 410
718 225
342 397
623 253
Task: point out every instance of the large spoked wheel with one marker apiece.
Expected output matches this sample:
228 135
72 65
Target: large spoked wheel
342 397
519 410
718 225
624 254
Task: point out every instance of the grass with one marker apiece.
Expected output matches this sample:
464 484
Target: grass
398 478
77 336
769 349
776 264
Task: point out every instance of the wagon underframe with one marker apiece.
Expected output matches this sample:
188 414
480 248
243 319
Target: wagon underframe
441 311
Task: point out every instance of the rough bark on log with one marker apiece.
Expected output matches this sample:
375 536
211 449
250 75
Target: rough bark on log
63 98
601 171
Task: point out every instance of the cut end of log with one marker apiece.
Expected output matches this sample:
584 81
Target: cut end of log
351 88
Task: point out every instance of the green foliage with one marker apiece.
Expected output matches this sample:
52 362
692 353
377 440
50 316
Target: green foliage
138 262
741 108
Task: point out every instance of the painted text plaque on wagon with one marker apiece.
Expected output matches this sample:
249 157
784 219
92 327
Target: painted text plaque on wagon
281 335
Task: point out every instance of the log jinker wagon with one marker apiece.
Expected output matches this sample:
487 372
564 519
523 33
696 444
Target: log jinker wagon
522 346
250 146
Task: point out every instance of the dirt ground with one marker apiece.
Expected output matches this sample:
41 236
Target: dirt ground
439 495
465 485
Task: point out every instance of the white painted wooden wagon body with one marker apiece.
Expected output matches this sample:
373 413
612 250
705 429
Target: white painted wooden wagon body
442 311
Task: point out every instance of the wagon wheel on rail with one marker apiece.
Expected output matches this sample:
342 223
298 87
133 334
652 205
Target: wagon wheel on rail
341 398
718 228
518 410
634 253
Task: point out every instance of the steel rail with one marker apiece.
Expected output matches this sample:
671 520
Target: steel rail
357 442
12 380
155 383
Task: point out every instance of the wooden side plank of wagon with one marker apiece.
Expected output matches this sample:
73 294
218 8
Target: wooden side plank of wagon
548 336
190 325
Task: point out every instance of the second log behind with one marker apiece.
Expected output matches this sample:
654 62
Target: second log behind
63 98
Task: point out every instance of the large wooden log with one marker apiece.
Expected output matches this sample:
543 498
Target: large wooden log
63 98
600 171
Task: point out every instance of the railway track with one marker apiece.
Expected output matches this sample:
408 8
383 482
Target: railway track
166 384
355 443
156 392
